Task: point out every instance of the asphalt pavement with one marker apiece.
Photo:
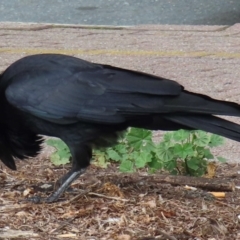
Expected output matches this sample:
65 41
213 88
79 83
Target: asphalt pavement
122 12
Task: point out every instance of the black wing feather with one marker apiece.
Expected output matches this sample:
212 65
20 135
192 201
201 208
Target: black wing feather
86 91
64 89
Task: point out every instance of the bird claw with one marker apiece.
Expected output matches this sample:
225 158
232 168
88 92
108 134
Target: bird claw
35 199
39 200
54 197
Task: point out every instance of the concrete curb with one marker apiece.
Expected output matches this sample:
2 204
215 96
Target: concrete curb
36 26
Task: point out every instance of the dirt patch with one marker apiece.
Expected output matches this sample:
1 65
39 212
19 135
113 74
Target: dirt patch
104 204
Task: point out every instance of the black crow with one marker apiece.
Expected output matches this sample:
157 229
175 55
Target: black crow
87 105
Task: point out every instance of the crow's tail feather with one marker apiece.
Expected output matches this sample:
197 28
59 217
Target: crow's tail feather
208 123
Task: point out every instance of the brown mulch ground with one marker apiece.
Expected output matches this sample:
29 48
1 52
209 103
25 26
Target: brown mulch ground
107 205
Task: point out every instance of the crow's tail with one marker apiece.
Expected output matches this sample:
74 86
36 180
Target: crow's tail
208 123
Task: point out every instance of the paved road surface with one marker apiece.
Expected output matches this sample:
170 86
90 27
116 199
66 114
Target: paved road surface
122 12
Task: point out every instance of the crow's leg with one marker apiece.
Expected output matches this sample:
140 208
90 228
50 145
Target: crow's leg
81 156
70 177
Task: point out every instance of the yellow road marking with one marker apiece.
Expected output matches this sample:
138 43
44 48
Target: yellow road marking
113 52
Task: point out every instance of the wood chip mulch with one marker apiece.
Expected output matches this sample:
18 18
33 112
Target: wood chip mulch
104 204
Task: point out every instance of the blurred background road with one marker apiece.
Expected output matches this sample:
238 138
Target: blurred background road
122 12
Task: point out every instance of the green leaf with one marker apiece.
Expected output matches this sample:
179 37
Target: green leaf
62 153
170 166
121 148
216 140
207 154
101 161
57 160
202 139
182 151
57 143
113 155
149 146
52 142
142 159
181 135
155 164
168 137
200 172
174 171
139 138
126 166
221 159
193 164
125 157
163 152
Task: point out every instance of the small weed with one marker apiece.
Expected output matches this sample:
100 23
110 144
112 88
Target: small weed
180 152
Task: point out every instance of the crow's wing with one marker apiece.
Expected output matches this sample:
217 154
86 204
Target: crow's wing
64 90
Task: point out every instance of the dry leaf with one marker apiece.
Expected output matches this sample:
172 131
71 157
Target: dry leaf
151 203
124 237
21 214
27 191
211 170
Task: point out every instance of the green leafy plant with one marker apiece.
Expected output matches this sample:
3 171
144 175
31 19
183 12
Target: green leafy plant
187 152
180 152
62 154
133 151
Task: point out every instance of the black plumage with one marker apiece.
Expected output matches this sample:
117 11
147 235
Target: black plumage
87 105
